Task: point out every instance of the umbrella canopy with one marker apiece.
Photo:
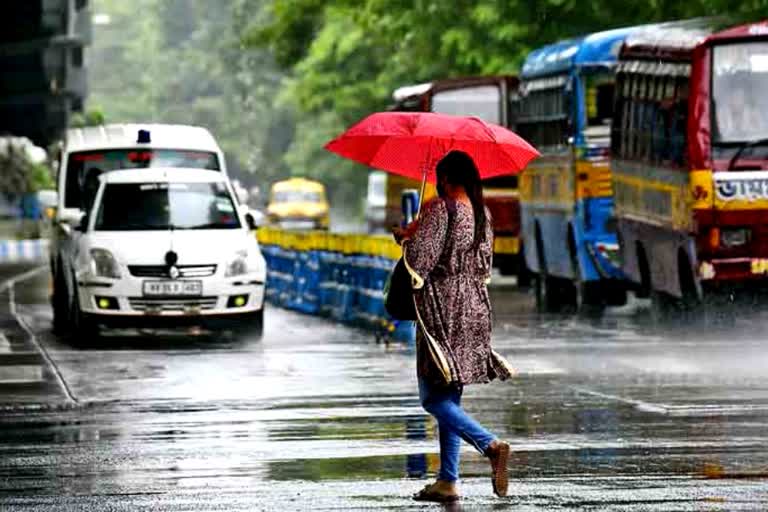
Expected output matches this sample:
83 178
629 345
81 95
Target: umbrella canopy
411 143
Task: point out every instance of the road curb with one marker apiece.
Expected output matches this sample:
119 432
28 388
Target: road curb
29 367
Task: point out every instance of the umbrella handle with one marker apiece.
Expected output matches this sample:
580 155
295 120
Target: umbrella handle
424 171
421 192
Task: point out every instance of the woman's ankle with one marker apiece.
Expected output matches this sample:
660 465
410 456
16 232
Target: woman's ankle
445 485
492 447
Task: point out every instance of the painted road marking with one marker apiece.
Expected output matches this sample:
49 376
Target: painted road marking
680 410
54 369
530 366
5 345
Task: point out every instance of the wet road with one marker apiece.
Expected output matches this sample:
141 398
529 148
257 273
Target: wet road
615 414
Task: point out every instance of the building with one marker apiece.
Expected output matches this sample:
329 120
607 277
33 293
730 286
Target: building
43 75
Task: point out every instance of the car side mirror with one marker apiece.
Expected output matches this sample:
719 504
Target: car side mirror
69 219
82 226
251 222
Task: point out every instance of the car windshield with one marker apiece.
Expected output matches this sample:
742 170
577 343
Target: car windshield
84 168
297 196
739 82
162 206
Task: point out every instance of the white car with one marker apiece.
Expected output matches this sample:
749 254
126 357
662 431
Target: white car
164 247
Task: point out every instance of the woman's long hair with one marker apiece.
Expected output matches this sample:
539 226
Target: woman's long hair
459 169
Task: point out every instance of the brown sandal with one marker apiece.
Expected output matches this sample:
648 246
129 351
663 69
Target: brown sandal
428 494
498 454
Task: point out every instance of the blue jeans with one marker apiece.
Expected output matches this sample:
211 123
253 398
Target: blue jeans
454 425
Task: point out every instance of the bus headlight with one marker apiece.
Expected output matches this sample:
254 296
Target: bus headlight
734 237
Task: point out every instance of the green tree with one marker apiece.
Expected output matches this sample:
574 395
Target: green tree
182 61
344 58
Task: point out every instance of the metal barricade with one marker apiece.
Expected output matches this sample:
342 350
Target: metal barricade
340 276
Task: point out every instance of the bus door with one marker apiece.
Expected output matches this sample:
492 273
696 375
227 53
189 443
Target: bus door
593 134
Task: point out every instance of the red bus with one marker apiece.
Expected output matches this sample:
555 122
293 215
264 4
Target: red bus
492 99
690 167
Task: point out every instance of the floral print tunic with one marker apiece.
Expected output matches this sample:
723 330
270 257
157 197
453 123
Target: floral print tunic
449 279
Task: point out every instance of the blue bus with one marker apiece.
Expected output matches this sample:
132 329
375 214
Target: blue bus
565 108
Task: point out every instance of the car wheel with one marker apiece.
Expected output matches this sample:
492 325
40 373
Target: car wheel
84 329
250 326
60 305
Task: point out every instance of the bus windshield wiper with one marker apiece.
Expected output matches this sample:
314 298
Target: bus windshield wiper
744 147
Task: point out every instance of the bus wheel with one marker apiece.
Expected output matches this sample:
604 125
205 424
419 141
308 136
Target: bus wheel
524 275
644 289
690 301
586 297
549 290
544 286
663 307
615 294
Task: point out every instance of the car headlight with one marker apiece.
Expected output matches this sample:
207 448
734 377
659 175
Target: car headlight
103 264
238 266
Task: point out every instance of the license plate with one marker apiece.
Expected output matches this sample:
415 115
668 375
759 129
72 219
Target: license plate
173 288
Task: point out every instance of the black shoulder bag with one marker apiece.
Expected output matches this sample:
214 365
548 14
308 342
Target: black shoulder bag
398 292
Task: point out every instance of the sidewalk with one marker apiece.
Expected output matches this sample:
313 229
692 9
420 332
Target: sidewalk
25 377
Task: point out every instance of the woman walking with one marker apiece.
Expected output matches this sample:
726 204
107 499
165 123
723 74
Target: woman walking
448 254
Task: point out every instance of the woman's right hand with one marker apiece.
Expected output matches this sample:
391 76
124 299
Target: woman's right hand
405 233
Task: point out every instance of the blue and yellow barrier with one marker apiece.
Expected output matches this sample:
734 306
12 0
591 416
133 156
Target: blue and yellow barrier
339 276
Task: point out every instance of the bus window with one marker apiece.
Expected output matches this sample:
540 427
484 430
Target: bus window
739 80
599 98
543 116
679 122
483 101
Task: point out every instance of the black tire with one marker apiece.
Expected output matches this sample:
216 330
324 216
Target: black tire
586 296
548 290
644 289
615 294
588 300
249 326
60 305
84 330
540 278
690 301
524 275
664 307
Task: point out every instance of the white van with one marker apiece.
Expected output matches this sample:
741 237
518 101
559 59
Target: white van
89 152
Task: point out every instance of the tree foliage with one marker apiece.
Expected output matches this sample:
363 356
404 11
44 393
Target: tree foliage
20 173
183 61
275 79
344 57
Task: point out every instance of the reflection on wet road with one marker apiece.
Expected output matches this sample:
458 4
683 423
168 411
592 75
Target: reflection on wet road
612 414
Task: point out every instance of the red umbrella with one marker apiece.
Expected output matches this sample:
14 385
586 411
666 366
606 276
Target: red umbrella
411 143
